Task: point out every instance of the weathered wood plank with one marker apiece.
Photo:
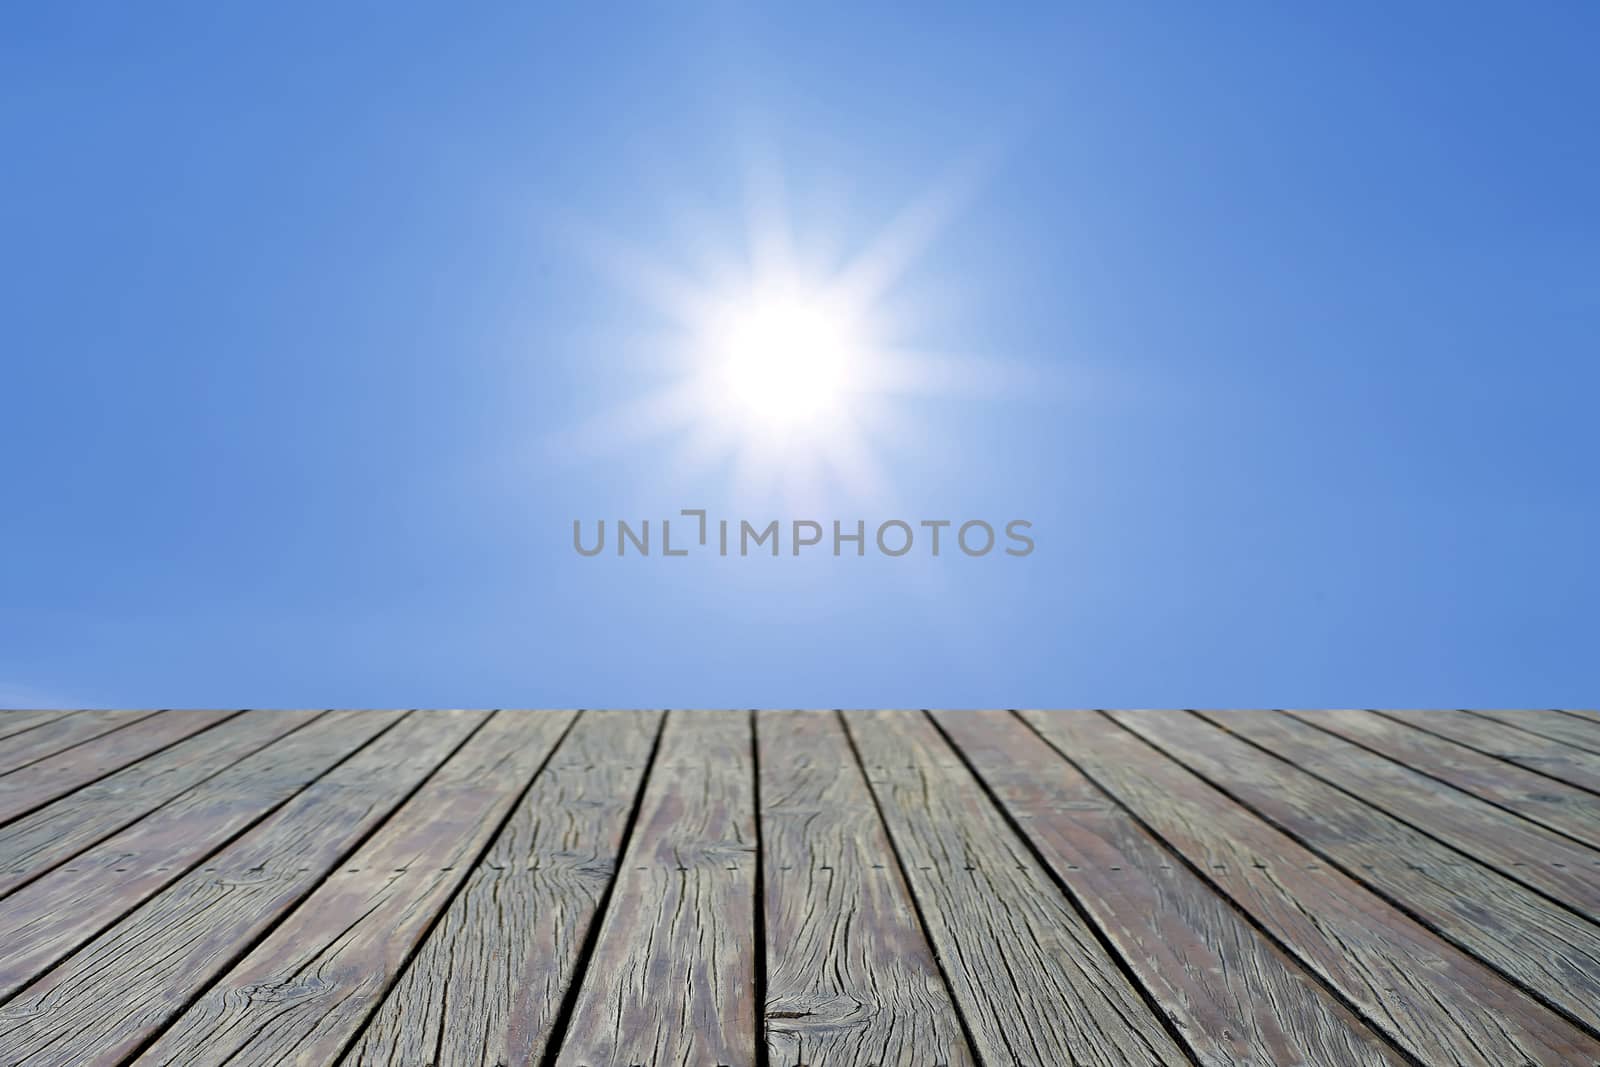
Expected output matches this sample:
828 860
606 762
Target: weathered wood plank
48 919
1555 806
672 978
61 734
1237 999
1543 947
102 1003
1554 725
851 980
1033 983
486 986
1432 999
55 833
55 776
301 996
209 896
1549 758
1522 850
17 721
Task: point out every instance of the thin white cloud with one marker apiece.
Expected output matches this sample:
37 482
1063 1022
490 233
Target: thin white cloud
19 695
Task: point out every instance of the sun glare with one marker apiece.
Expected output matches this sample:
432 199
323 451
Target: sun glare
785 367
783 362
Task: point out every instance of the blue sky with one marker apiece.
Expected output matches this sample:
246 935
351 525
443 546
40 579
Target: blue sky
1279 325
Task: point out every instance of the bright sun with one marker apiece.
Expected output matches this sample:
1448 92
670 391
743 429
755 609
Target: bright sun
786 368
783 361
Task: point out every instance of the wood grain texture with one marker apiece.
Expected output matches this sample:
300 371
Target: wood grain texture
1426 995
110 997
50 918
1572 730
1549 758
61 734
486 985
55 776
1534 797
16 721
1523 851
851 980
1522 935
301 995
55 833
672 979
1033 983
1237 1000
797 889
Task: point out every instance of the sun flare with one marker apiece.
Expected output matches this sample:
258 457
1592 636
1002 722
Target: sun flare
783 361
787 368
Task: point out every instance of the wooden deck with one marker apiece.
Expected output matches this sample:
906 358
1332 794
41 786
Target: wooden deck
901 889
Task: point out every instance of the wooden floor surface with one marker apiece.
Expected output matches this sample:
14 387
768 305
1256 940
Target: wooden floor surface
800 888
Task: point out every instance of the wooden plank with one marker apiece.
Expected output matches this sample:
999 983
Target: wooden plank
1433 1000
35 843
1534 797
301 996
486 986
672 978
52 916
1032 982
1525 852
55 776
61 734
1549 758
851 980
1553 725
15 722
101 1004
1544 948
1235 997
